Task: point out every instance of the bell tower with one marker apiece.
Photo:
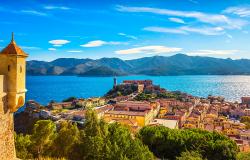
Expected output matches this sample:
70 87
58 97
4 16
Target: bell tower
13 66
12 95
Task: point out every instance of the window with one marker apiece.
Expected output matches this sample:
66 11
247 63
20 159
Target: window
8 67
21 69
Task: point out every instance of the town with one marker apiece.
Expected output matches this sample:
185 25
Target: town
138 103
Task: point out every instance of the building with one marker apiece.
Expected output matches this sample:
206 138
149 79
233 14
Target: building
141 84
245 101
247 112
94 102
62 105
115 82
142 118
12 92
172 124
140 113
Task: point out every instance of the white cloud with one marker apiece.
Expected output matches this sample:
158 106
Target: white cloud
243 11
128 36
165 30
34 12
186 29
98 43
56 8
95 43
210 31
59 42
214 19
177 20
213 52
75 51
149 50
229 36
52 49
30 48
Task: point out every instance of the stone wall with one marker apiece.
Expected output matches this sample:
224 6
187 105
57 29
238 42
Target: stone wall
7 146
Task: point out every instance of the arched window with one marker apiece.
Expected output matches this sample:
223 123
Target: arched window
8 67
21 69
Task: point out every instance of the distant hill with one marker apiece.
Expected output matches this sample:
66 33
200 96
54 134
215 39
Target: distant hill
179 64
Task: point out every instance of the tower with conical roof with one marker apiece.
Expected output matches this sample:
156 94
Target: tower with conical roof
13 66
12 94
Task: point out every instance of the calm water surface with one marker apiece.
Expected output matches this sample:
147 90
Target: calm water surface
46 88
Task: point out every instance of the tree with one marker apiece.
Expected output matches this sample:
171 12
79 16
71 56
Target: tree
92 138
243 156
70 99
246 121
100 140
42 137
22 145
67 137
124 146
168 143
189 156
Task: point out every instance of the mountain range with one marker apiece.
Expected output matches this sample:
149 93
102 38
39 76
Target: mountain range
179 64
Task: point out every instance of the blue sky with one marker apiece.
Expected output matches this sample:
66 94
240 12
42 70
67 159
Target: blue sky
127 29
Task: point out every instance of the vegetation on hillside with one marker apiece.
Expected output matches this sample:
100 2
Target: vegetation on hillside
243 156
168 143
70 99
246 121
97 140
121 90
179 64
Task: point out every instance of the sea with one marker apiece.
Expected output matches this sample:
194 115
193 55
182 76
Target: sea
43 89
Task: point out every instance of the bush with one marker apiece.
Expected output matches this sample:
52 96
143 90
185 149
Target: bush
168 143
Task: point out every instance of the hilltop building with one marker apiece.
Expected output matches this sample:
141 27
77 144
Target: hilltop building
141 84
12 94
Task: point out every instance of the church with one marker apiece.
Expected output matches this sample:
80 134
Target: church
12 94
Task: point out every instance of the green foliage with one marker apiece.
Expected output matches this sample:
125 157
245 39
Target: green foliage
167 143
145 96
121 90
70 99
243 156
151 96
246 121
96 141
42 136
22 145
99 140
190 156
102 141
67 137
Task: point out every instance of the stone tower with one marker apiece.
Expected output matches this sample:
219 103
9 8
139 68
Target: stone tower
12 94
115 82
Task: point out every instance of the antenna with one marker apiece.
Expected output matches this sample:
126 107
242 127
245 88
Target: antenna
12 37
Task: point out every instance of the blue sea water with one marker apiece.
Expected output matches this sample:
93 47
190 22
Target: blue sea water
45 88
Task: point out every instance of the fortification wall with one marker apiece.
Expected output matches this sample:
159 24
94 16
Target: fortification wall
7 146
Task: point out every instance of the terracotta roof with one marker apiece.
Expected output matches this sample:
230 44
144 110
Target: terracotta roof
13 49
129 113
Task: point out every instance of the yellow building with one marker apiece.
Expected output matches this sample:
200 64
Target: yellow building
12 94
193 122
142 118
93 102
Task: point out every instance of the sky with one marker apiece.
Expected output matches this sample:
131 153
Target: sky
127 29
